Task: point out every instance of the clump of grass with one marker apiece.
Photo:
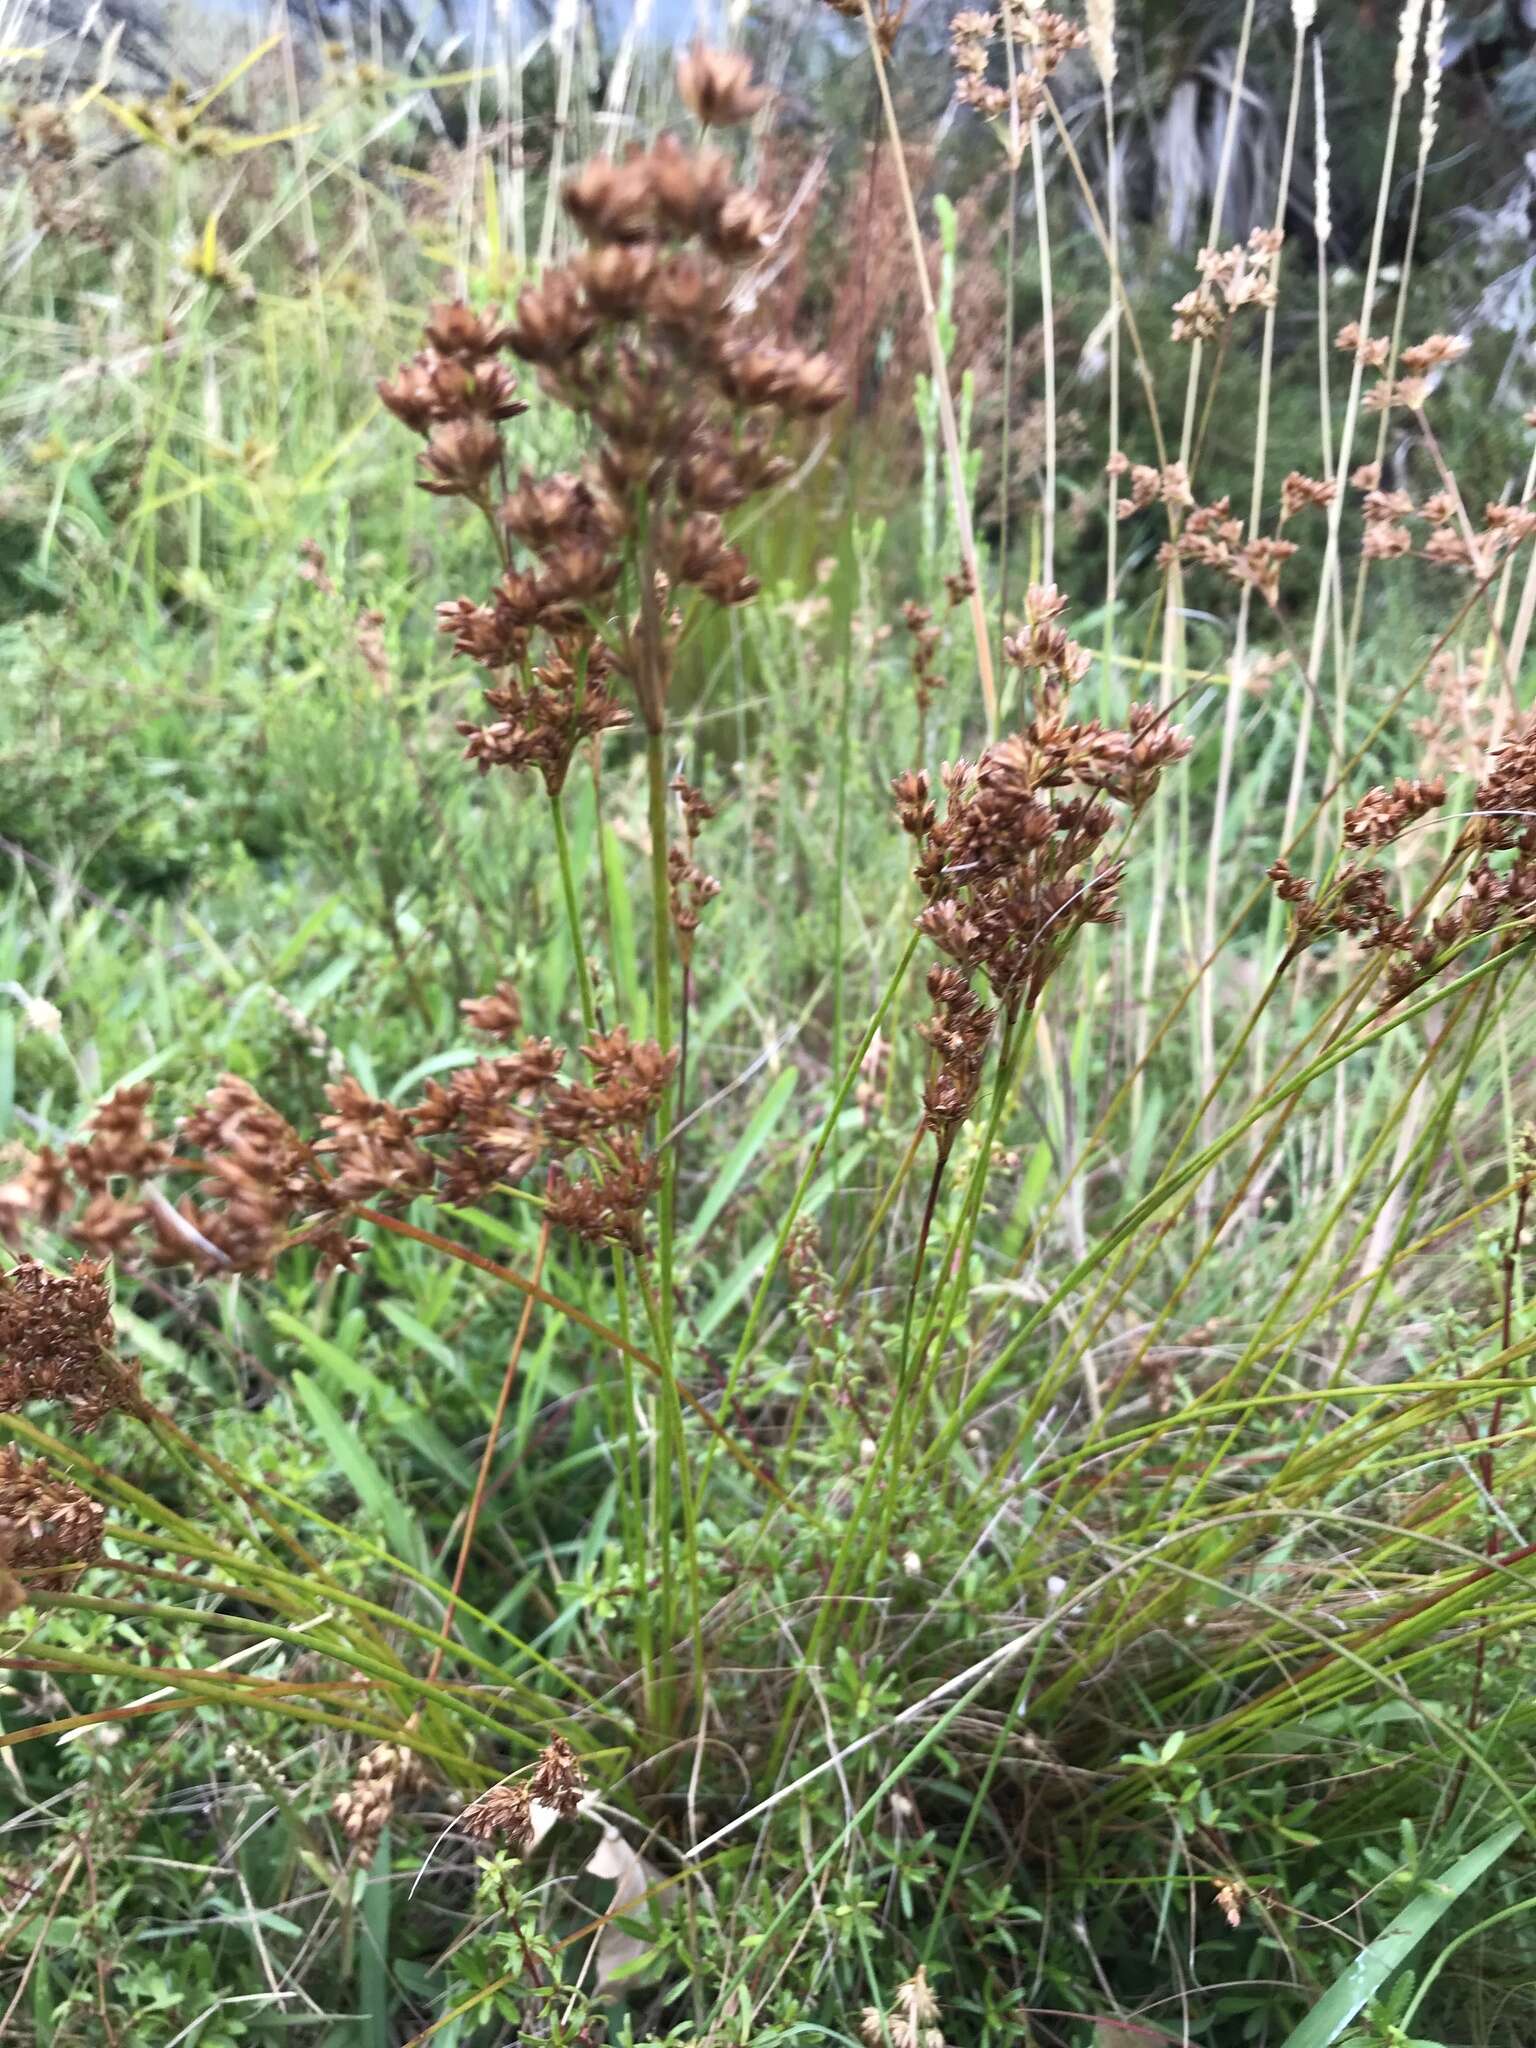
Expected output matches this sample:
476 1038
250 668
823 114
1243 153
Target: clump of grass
1115 1616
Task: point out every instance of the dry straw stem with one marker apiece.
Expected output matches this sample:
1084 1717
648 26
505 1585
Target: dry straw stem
1239 661
1402 76
951 432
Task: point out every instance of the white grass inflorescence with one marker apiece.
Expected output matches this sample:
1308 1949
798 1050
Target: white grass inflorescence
1434 59
1101 39
1322 182
1409 24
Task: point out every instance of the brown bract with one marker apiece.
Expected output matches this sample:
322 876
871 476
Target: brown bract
690 888
505 1812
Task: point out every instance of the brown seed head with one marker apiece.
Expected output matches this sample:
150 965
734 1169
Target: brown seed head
500 1014
716 87
460 456
49 1528
454 330
56 1343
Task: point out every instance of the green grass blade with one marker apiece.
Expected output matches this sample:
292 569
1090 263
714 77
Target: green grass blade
1378 1960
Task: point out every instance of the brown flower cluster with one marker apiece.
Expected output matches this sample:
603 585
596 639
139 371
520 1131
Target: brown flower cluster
1497 899
495 1121
926 680
927 683
1383 815
1422 363
254 1186
119 1148
1451 541
257 1176
1371 350
1148 485
1356 904
605 1119
56 1343
888 17
1299 493
537 632
1015 867
716 87
49 1528
545 709
690 887
1230 280
958 1032
388 1774
505 1812
1211 538
1045 40
649 335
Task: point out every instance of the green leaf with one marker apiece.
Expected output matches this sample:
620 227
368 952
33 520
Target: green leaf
360 1472
402 1416
1365 1975
373 1952
725 1183
416 1332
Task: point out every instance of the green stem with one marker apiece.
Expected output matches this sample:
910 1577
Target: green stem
632 1509
573 913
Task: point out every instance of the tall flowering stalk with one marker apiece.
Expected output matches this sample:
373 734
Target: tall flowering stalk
651 336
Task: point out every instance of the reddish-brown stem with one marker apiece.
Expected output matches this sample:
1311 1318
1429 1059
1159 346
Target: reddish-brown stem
482 1477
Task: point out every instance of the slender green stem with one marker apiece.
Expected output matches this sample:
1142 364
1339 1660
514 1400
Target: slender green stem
573 913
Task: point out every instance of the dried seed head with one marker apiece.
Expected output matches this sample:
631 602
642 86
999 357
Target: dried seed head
375 1152
49 1528
39 1191
387 1774
557 1779
499 1015
460 455
56 1343
454 330
120 1142
716 87
504 1813
1015 866
1383 815
886 15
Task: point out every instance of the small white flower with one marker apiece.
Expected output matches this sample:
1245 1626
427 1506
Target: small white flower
38 1014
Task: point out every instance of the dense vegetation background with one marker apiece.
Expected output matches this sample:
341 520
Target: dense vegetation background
1077 1594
